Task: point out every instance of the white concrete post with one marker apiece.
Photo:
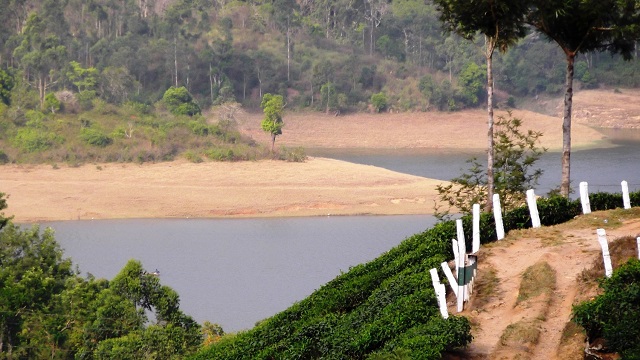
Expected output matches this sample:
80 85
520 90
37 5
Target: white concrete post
462 256
435 279
452 280
456 252
497 214
602 239
638 240
475 245
440 293
442 301
584 197
460 233
625 195
533 208
462 245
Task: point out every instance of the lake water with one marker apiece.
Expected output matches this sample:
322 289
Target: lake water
238 271
603 168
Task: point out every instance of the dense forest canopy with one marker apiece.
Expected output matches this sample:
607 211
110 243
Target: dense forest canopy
324 55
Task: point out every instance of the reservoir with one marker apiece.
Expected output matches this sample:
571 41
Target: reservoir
235 272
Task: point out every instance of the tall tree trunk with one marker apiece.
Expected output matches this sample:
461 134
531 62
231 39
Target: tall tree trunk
566 126
490 46
273 142
210 83
175 58
288 51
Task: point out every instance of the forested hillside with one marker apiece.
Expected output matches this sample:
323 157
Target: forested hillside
330 55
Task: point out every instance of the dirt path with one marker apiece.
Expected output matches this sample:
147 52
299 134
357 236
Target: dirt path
568 252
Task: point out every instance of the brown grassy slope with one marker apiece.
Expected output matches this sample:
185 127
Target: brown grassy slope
437 131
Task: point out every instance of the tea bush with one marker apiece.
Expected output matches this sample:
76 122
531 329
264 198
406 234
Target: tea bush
615 315
386 305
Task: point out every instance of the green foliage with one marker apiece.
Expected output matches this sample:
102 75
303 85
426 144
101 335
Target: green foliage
48 311
221 154
614 314
83 79
85 99
33 140
95 137
51 103
273 108
516 152
472 80
379 101
6 85
180 102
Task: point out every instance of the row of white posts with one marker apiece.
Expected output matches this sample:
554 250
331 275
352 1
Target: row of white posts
466 264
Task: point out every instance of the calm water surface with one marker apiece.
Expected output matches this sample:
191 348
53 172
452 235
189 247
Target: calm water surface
603 168
236 271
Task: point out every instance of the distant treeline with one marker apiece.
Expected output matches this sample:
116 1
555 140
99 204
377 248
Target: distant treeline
329 55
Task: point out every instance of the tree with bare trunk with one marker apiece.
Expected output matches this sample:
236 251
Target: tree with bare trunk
502 24
583 26
273 108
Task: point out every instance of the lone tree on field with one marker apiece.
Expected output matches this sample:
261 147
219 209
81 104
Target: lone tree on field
582 26
502 24
273 108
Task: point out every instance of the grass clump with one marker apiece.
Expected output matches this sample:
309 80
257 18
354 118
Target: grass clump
537 279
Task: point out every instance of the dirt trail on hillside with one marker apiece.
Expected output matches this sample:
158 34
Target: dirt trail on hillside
568 252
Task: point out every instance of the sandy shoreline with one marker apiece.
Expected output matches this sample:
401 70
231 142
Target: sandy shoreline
185 190
317 187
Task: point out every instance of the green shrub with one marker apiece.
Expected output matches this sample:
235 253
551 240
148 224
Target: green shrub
95 137
35 140
557 209
615 315
219 154
604 201
85 99
379 101
134 107
199 128
51 103
35 119
179 102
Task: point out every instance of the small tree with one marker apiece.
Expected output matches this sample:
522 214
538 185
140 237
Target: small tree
515 155
180 102
273 108
379 101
